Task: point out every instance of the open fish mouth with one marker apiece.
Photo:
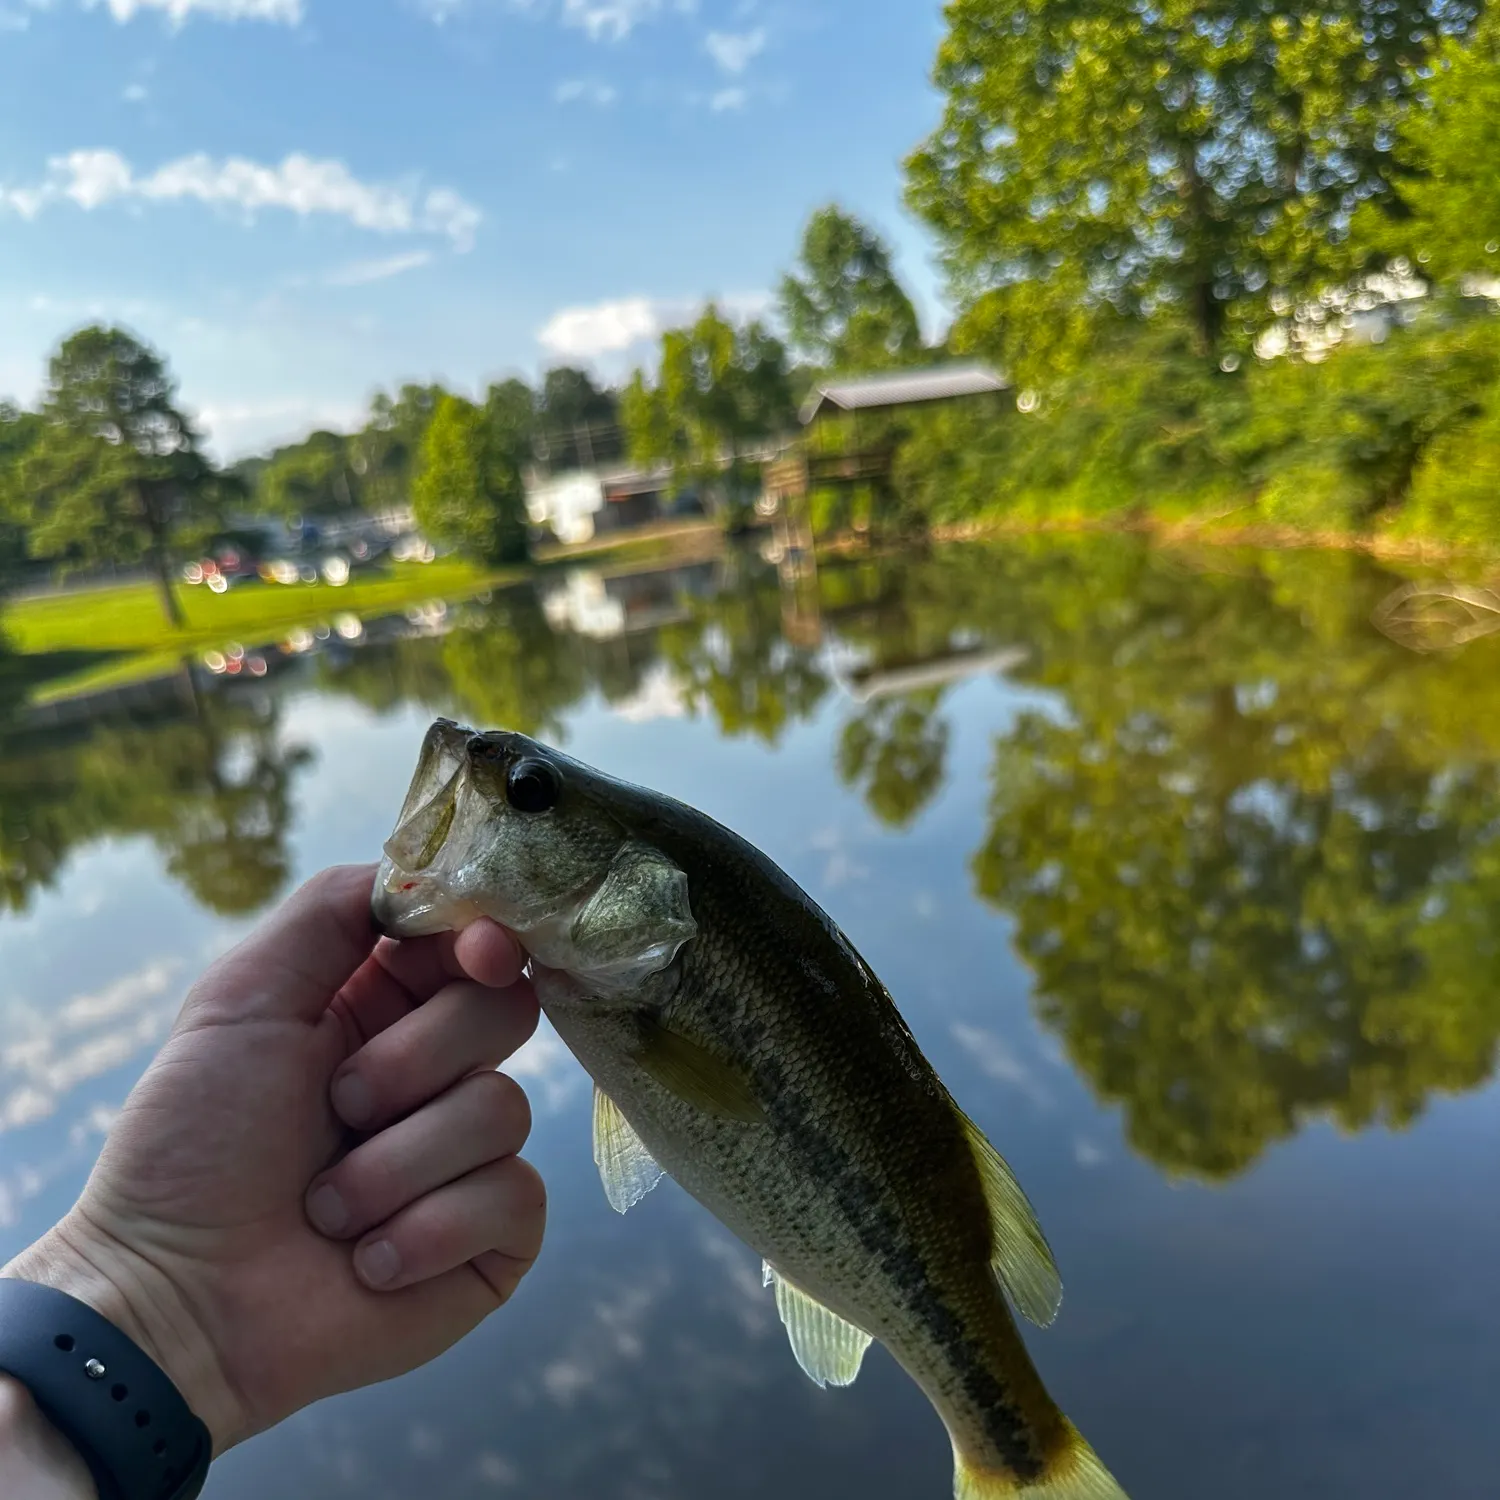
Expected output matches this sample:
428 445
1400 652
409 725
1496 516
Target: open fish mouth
412 895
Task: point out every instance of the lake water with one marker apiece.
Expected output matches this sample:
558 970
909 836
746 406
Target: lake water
1186 877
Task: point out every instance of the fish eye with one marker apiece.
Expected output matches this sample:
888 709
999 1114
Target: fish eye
532 786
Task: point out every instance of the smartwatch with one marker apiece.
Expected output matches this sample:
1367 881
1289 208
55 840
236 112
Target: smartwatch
109 1398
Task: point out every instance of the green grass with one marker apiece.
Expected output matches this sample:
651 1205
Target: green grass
130 618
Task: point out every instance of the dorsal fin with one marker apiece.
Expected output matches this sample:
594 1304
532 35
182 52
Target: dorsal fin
829 1349
627 1170
1021 1257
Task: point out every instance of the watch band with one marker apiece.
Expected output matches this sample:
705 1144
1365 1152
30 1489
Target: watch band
109 1398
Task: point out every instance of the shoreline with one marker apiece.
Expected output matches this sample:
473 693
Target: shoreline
1217 533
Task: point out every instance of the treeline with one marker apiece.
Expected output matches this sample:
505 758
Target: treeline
1239 261
1239 265
110 470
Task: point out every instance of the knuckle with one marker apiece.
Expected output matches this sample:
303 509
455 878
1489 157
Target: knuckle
525 1191
505 1107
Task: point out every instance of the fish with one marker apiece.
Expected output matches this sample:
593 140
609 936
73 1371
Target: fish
738 1043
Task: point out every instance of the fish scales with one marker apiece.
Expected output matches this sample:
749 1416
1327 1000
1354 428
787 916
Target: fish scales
856 1180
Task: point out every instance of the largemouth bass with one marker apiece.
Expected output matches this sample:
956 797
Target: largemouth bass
738 1042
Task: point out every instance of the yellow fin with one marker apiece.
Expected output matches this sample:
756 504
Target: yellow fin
1076 1475
1021 1258
698 1077
829 1349
627 1170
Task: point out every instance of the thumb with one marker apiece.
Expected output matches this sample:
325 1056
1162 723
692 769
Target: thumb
299 957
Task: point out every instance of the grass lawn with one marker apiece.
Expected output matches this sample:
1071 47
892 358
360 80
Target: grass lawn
130 618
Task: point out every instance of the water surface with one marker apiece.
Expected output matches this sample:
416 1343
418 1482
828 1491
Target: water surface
1186 877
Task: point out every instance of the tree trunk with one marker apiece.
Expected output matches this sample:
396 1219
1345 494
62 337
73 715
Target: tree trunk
1207 312
160 562
169 602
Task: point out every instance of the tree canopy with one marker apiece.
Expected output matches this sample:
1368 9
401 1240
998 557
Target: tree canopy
1448 192
113 473
468 490
719 391
1180 159
842 305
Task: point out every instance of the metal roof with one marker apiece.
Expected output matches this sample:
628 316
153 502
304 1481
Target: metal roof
902 388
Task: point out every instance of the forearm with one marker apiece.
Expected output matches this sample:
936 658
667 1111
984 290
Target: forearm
36 1461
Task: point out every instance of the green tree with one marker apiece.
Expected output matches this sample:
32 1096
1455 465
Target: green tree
316 477
720 391
18 430
1449 148
1187 160
843 306
577 422
468 490
114 475
386 450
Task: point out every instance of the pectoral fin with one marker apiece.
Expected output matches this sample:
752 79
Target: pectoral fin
1021 1257
698 1077
829 1349
627 1170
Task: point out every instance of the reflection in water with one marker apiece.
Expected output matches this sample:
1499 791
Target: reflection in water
1249 845
1246 844
205 776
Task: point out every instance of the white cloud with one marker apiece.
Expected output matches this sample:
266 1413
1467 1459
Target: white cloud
299 184
135 94
587 91
605 328
614 20
363 272
602 20
284 12
726 99
735 51
612 327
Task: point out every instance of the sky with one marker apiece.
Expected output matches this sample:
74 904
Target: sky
301 201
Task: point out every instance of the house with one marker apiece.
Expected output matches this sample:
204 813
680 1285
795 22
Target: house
583 503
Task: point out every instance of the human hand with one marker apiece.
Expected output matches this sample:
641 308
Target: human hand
267 1251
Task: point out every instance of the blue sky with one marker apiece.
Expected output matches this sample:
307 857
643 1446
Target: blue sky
301 200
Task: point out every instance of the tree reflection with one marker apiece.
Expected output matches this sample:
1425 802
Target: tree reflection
508 669
209 784
895 749
1256 875
731 661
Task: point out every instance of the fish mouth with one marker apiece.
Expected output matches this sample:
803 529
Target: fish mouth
412 895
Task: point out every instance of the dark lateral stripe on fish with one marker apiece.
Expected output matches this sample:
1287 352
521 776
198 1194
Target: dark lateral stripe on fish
880 1234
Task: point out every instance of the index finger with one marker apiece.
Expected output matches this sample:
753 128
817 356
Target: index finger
401 975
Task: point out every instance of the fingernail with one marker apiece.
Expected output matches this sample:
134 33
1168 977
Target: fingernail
352 1101
326 1209
377 1263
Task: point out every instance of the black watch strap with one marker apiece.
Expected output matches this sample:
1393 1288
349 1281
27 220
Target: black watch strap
109 1398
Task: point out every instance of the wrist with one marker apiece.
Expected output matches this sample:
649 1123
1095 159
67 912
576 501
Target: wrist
141 1301
36 1461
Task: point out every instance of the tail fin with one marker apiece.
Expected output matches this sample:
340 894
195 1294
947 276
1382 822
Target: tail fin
1076 1474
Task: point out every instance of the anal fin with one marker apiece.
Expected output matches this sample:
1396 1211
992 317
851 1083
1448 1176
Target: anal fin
1021 1256
627 1170
829 1349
